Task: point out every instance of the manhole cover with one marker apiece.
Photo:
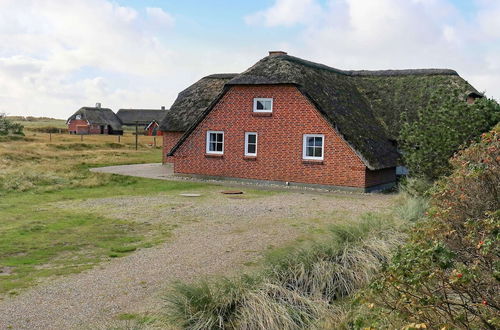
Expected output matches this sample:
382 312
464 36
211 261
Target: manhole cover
232 192
191 195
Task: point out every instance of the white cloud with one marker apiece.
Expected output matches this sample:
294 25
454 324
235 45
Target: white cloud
160 16
285 12
378 34
63 55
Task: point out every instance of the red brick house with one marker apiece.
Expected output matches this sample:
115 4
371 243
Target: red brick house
288 120
94 120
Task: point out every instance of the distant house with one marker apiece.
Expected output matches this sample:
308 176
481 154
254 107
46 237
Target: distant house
292 121
147 120
94 120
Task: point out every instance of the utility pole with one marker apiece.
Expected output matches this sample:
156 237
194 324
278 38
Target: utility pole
136 135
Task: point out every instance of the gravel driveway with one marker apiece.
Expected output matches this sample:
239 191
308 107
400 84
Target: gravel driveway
216 234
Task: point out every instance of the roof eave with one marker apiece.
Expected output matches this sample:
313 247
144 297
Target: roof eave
188 132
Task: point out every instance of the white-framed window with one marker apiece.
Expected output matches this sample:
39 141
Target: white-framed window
215 142
313 146
78 117
262 105
250 144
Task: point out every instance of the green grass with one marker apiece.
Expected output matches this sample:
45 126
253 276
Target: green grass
59 123
41 240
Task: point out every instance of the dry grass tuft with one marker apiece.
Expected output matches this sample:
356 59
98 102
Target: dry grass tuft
298 289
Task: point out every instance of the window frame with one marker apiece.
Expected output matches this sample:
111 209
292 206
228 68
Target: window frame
257 99
246 144
304 147
207 142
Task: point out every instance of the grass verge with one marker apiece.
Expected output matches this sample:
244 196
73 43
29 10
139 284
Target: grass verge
297 288
40 240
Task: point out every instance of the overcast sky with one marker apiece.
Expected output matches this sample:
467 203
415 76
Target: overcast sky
56 56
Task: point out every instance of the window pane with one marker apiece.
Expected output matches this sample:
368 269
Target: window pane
251 148
219 146
267 105
211 146
310 151
260 105
310 141
318 141
219 137
251 138
318 152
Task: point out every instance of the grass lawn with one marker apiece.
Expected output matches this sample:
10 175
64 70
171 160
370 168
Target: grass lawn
38 240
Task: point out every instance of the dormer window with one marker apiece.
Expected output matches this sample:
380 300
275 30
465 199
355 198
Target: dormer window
78 117
262 105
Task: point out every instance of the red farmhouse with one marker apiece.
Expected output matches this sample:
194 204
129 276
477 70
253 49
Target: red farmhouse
292 121
94 120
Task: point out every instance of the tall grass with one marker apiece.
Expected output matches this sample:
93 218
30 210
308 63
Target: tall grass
297 288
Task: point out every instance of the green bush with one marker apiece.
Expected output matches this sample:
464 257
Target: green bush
448 276
8 127
440 130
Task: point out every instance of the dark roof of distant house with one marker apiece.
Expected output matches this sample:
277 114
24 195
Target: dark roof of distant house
140 116
192 101
98 116
364 107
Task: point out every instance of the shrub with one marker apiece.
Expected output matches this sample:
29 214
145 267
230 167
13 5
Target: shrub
449 273
441 129
8 127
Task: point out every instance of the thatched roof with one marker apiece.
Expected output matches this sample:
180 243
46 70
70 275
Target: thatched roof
98 116
391 96
192 101
140 116
364 107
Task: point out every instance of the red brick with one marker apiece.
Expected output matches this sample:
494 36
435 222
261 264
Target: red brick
279 149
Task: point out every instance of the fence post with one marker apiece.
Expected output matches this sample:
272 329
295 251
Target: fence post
50 137
154 141
136 135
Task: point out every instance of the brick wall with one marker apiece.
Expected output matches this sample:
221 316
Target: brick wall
79 126
169 140
279 149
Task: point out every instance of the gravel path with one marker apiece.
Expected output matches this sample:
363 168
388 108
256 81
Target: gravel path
217 234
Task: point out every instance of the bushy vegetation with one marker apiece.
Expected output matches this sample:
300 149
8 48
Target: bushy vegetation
298 287
448 275
442 128
8 127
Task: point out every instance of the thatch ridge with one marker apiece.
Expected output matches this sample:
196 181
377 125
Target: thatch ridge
99 116
390 72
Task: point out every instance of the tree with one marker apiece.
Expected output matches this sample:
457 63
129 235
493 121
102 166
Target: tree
448 275
440 129
8 127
